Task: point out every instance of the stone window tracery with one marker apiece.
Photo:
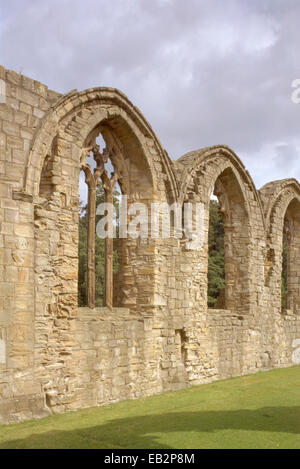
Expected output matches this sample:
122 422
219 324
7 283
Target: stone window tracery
93 175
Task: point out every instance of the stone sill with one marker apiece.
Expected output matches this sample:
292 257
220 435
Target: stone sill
108 314
226 312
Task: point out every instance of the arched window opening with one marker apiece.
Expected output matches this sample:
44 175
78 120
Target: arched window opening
98 258
216 257
228 246
290 277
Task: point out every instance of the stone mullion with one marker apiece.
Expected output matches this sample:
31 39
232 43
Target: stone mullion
108 185
91 179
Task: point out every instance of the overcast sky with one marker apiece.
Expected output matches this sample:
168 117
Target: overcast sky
201 72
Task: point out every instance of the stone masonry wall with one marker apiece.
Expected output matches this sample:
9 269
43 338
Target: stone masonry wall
160 335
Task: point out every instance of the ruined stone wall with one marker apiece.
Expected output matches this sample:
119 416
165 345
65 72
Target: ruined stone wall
161 335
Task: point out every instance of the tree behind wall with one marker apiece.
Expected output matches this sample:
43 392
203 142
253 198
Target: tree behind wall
216 257
99 253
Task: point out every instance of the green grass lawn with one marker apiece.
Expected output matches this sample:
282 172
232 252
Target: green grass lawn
254 411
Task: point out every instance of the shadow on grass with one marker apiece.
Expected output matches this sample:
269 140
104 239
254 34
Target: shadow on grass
139 432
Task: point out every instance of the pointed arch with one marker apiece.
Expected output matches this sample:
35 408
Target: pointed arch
78 113
282 213
219 169
222 157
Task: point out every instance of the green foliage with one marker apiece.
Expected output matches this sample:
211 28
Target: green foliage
216 259
99 253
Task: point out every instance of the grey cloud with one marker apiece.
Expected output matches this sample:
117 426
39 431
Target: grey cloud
201 72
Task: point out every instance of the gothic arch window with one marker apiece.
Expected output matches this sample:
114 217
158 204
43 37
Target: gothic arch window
101 179
291 258
232 224
107 152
